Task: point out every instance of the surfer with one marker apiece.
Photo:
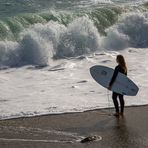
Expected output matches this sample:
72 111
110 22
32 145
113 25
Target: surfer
121 67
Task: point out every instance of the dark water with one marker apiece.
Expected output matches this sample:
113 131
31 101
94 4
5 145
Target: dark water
15 7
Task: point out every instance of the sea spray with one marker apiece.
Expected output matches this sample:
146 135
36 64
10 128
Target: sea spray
81 37
9 54
34 50
114 40
11 27
130 31
36 46
40 43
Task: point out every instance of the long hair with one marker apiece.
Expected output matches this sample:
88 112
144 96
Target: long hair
122 62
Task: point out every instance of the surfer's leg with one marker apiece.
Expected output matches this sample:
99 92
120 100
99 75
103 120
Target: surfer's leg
121 103
114 97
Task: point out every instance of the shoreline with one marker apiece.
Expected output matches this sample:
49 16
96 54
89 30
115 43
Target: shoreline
67 130
65 113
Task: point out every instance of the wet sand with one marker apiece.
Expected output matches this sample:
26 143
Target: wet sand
67 130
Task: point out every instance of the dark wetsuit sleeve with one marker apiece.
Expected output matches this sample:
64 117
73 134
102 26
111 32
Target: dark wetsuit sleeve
114 76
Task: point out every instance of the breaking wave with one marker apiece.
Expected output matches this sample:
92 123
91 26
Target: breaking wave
35 39
42 42
10 28
130 31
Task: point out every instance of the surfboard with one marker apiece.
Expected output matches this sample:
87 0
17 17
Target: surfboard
122 85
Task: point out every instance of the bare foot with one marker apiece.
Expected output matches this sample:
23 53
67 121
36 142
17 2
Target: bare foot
122 114
116 114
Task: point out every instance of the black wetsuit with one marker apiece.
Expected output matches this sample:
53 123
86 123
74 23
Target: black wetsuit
115 95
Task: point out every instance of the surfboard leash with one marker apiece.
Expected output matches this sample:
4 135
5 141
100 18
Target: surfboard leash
109 105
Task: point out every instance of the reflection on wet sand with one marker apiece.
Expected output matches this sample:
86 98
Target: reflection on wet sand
124 136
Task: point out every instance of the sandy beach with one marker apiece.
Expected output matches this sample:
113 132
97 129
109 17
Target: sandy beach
67 130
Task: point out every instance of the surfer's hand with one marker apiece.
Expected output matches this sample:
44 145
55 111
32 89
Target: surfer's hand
109 87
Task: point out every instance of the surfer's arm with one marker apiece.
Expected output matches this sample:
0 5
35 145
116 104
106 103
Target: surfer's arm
114 76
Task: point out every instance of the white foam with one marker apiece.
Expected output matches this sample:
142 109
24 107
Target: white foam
9 53
102 1
55 89
130 31
41 42
30 92
81 37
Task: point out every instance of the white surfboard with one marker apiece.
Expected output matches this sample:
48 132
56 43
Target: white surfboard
122 85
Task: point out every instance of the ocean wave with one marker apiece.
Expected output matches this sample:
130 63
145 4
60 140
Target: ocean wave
130 31
81 37
10 28
43 42
103 17
9 54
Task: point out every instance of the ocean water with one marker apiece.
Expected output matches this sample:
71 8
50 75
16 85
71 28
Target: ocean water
48 46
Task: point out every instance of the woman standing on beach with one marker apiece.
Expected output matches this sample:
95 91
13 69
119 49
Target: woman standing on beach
121 67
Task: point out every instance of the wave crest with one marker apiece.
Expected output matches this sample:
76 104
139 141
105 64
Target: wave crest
81 37
41 42
130 31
